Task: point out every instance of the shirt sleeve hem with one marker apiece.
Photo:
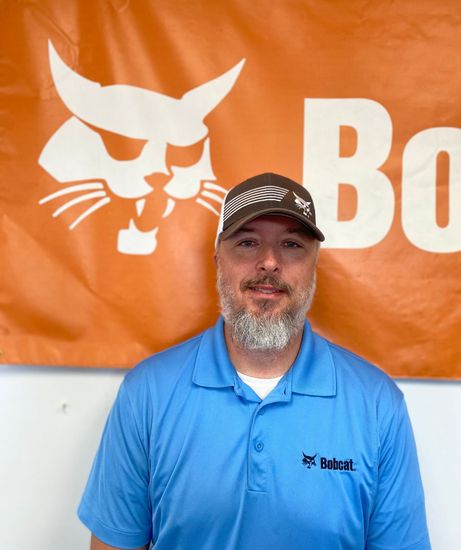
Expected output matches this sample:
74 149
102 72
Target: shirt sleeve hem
423 544
109 535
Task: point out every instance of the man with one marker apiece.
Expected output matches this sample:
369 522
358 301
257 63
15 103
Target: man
258 433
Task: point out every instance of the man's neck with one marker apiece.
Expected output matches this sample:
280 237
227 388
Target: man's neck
262 364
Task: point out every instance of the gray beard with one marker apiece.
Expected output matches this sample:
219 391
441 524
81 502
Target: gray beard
264 331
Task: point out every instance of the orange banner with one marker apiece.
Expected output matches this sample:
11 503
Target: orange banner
124 123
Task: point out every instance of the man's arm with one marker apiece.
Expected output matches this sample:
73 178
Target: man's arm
115 506
399 518
97 544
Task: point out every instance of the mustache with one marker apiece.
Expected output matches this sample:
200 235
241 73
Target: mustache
266 280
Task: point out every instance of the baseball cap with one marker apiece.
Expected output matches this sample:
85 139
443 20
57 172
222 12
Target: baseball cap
266 193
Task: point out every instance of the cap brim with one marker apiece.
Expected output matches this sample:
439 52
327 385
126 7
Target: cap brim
283 211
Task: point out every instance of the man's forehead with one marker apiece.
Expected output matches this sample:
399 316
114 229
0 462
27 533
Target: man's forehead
278 221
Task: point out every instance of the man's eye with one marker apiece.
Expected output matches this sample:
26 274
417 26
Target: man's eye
291 244
247 243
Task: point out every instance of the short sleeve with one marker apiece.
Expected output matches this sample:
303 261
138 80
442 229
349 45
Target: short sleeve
115 505
398 521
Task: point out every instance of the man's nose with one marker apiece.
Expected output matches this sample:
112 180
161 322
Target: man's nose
268 260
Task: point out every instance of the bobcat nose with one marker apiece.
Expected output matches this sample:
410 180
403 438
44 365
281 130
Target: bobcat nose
157 179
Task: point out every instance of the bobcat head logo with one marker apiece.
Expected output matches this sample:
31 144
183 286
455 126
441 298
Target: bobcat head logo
309 461
77 156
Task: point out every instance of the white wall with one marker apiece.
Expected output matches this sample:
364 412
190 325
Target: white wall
51 420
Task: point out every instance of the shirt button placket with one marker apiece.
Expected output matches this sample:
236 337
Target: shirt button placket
257 478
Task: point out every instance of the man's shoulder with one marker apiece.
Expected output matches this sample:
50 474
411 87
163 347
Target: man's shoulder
352 370
166 365
171 355
351 359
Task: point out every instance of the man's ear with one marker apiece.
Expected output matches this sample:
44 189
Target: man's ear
318 253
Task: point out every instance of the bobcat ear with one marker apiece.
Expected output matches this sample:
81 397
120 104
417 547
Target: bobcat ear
141 113
204 98
71 86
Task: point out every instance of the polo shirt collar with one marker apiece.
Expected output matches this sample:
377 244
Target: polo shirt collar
312 373
213 368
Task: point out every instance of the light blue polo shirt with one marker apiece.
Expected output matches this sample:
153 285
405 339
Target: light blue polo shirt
192 459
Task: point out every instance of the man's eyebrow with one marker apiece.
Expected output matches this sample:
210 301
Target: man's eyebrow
296 230
291 230
243 230
300 231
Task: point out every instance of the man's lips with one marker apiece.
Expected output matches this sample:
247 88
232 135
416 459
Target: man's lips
269 287
267 290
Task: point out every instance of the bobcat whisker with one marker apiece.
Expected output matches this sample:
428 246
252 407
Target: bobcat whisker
206 205
214 187
77 200
90 210
71 189
212 196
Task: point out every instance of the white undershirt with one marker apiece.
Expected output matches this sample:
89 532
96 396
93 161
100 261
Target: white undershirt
261 386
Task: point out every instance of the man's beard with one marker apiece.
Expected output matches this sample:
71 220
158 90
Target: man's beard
264 330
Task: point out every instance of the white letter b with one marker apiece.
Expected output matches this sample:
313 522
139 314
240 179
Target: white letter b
324 170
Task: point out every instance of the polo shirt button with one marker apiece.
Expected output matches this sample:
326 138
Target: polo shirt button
261 412
259 446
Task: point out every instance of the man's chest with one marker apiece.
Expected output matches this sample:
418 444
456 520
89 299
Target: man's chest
296 470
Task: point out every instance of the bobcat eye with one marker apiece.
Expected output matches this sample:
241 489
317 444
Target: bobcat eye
184 156
119 147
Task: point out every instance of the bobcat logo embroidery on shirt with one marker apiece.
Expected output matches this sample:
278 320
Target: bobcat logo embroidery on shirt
309 461
76 154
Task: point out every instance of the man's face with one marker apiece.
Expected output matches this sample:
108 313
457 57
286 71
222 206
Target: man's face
267 270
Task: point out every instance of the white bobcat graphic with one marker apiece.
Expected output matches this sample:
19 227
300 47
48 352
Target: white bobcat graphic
303 205
76 153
